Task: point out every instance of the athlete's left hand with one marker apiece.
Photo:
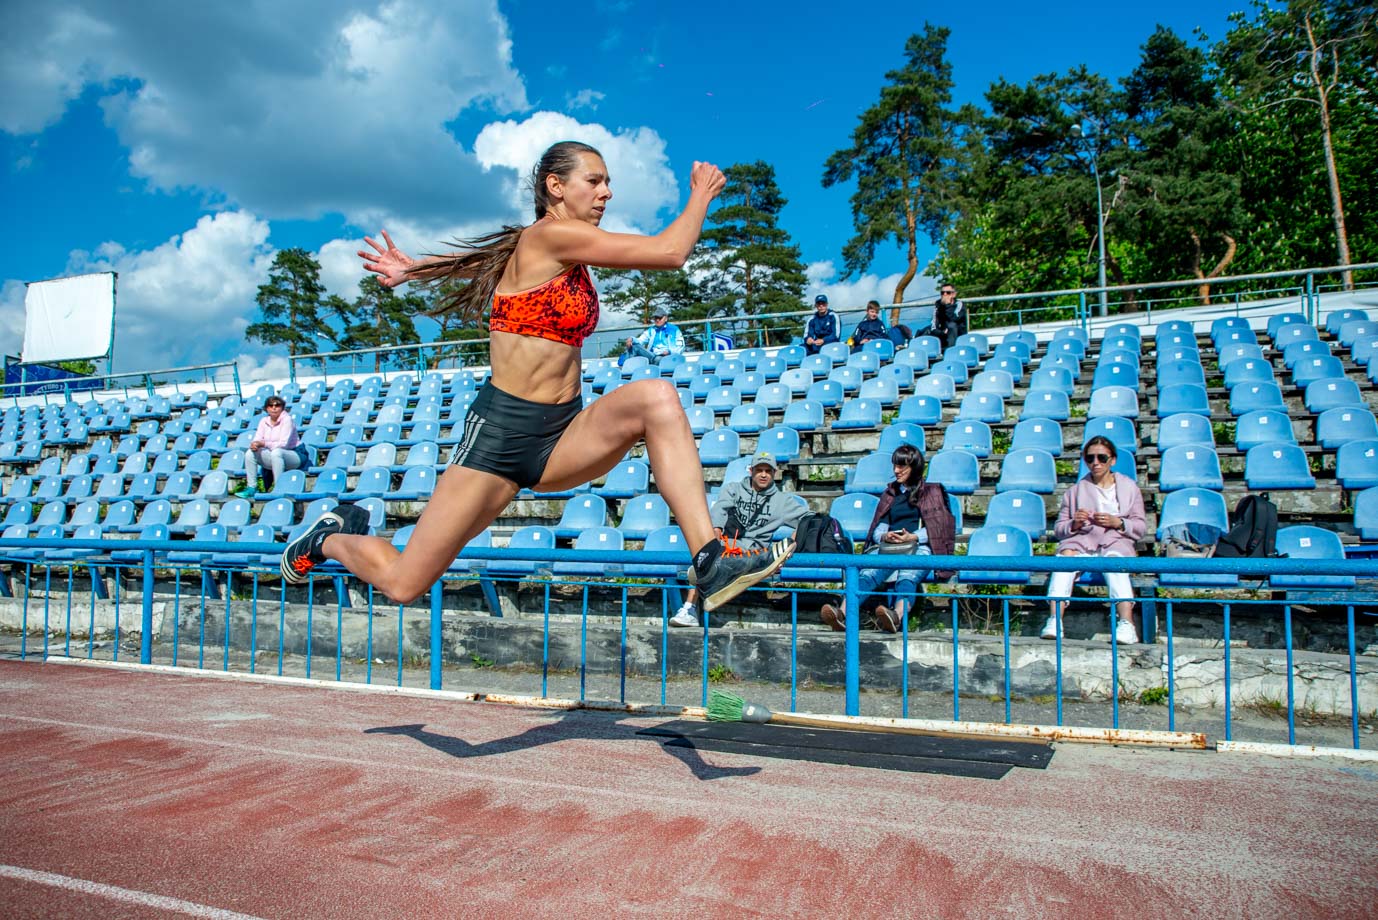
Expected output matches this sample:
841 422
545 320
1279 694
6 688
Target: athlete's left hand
388 262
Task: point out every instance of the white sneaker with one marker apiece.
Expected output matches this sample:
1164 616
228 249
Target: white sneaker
1125 633
1049 629
685 616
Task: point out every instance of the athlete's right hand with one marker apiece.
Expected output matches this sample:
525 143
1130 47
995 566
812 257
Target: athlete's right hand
388 262
706 179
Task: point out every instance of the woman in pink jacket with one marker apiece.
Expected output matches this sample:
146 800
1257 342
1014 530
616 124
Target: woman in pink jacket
1102 515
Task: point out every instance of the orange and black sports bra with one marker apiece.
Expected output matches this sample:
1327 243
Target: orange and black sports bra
564 309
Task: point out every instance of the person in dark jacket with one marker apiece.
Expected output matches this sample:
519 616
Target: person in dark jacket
823 327
869 328
912 517
949 316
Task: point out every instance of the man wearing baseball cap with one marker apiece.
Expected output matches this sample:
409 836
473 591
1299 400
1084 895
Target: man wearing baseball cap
660 339
745 516
823 327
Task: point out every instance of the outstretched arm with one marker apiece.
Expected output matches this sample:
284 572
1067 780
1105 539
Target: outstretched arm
390 264
574 241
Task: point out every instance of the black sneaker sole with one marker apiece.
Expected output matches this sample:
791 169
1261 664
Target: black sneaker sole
328 521
747 579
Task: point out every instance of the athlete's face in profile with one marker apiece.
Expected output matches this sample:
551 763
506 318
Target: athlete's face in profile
586 190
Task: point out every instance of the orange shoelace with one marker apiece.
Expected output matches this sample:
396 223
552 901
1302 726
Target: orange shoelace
732 548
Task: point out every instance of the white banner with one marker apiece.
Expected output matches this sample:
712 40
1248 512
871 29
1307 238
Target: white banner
68 319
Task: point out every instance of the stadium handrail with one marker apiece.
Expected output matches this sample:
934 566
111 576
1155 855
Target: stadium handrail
149 384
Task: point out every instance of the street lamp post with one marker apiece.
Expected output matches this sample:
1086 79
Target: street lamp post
1100 220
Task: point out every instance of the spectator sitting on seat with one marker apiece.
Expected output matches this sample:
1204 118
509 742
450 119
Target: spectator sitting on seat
869 328
823 327
949 316
1102 515
912 517
274 447
659 340
745 516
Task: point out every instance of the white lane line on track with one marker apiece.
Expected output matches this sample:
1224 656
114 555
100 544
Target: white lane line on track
127 895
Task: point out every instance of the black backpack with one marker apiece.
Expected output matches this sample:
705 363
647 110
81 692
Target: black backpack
1253 530
821 533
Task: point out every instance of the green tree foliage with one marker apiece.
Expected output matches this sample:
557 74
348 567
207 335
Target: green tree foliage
746 262
291 304
902 156
638 293
81 368
382 317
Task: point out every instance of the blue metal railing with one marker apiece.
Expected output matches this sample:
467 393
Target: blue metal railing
147 381
152 555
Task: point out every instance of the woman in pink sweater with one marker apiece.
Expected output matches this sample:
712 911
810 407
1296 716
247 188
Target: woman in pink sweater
1102 515
274 446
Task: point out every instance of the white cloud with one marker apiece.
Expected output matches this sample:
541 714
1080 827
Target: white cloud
643 181
584 99
186 299
341 267
288 110
258 368
853 294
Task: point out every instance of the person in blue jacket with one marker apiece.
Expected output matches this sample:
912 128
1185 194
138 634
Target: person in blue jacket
823 327
661 339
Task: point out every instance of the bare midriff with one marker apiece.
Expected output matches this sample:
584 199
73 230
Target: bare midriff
535 369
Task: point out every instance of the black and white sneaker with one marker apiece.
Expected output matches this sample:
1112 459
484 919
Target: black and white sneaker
304 553
737 569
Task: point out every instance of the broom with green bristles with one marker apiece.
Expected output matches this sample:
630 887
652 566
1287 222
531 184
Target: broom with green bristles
728 707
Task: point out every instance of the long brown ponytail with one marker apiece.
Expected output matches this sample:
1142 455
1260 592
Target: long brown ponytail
484 258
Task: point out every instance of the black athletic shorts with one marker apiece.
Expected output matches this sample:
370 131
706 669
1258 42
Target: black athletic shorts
510 436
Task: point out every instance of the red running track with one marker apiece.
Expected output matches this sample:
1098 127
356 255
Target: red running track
129 794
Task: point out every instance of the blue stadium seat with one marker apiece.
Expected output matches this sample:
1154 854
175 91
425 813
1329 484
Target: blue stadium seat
1187 428
1120 431
1179 372
1123 329
1366 514
1278 321
1021 509
958 371
962 354
704 384
1039 434
981 407
838 351
373 481
234 513
750 383
729 370
868 362
1294 332
701 419
792 355
781 442
1363 348
626 480
1067 362
593 538
192 515
329 483
1249 372
531 537
155 512
900 374
1017 349
854 511
959 471
1297 352
1356 465
718 447
1263 426
804 415
897 433
1194 506
1023 336
1333 393
849 378
1337 318
920 410
1030 470
776 396
722 400
1116 401
827 393
999 540
1115 374
1067 346
994 382
277 515
84 515
1238 351
881 389
1189 467
642 515
975 340
971 436
418 484
1049 404
581 513
661 540
1228 324
871 474
1340 426
1303 541
1051 378
1277 466
1183 398
1320 367
858 413
1251 397
930 345
1355 329
913 357
940 386
748 418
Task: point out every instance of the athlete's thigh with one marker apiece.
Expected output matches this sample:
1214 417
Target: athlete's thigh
465 501
598 437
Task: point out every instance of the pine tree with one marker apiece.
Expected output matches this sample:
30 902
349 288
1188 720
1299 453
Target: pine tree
291 303
382 318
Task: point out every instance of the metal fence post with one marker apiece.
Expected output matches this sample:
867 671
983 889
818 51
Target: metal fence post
1081 312
852 604
436 643
1310 298
146 627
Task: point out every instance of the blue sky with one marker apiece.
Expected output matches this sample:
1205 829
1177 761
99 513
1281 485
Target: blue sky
182 145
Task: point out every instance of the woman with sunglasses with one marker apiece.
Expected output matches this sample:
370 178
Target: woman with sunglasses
1102 515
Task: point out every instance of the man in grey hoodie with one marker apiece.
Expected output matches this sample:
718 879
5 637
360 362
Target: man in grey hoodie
745 516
